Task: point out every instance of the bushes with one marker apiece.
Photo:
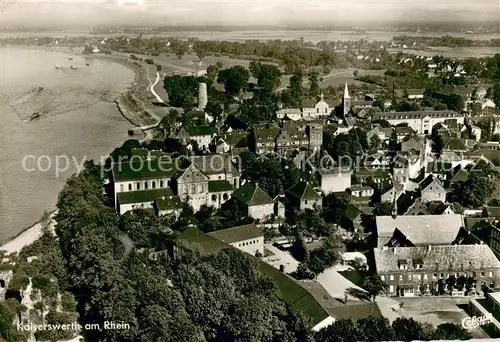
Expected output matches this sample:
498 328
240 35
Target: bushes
149 61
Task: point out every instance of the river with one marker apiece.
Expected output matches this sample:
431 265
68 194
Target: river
78 122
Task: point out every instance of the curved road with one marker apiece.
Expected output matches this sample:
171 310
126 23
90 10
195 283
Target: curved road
152 88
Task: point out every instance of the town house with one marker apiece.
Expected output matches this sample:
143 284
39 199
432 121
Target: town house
432 189
202 135
420 121
303 196
254 201
413 271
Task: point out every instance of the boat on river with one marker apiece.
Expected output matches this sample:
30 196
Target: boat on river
32 117
58 66
72 66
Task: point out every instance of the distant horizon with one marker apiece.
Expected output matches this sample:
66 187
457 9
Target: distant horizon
431 26
84 14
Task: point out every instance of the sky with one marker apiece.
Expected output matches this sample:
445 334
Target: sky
92 13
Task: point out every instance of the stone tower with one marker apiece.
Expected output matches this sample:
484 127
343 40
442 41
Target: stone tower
346 101
202 96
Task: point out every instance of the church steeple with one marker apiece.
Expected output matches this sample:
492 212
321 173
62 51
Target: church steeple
346 101
394 213
346 92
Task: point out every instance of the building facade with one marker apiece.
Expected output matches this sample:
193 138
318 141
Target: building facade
420 121
413 271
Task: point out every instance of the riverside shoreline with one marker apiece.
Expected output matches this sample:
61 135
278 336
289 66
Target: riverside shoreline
132 105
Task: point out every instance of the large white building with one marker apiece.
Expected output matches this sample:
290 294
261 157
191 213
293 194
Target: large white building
200 180
313 109
420 121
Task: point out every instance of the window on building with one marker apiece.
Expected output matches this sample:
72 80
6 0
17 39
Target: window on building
161 184
153 184
138 186
382 277
146 185
305 202
425 276
483 274
400 277
193 189
391 277
410 277
225 197
490 274
214 198
130 187
419 276
121 187
441 275
473 274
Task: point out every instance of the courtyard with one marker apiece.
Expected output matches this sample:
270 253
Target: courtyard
433 310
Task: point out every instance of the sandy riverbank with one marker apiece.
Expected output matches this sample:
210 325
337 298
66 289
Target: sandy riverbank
26 237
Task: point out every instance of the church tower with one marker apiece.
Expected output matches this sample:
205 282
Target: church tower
346 101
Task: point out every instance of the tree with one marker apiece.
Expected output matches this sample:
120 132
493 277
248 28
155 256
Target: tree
393 142
450 331
158 67
355 73
496 94
342 330
314 89
474 191
408 329
200 51
375 143
382 209
375 329
437 139
374 285
234 79
212 71
299 250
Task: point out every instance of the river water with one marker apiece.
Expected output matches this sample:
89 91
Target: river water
79 121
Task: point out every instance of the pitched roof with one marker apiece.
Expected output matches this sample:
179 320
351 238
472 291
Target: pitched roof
142 196
215 164
352 212
303 191
455 144
236 234
136 169
419 114
219 186
420 230
199 130
428 181
437 258
168 203
437 207
251 194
